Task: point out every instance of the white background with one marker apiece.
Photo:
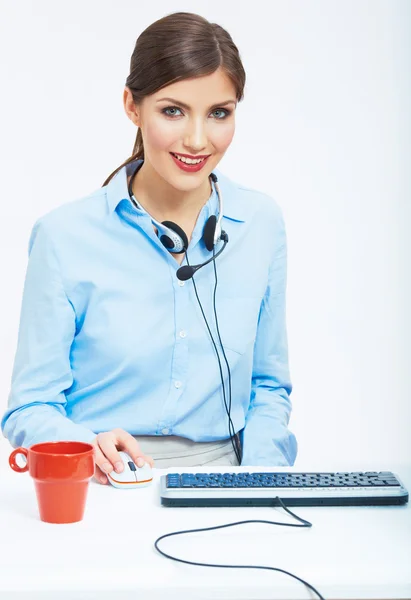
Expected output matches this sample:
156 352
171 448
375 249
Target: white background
324 128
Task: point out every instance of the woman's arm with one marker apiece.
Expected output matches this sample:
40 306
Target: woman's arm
266 437
42 372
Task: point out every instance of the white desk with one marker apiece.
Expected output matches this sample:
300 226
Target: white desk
351 552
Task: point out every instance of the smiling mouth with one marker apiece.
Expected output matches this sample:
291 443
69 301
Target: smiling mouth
189 161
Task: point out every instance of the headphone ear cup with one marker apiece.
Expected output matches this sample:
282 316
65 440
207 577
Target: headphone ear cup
209 232
168 243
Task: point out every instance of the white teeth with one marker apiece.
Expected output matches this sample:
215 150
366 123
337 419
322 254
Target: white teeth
188 161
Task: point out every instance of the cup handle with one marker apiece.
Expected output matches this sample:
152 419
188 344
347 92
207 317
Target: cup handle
12 460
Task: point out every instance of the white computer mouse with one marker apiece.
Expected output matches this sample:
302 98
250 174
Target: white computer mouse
131 476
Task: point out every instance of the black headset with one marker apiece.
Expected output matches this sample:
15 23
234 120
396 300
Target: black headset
175 240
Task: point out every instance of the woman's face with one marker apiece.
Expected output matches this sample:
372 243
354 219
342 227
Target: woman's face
199 120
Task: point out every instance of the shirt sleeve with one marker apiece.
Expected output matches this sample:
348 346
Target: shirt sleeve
41 374
266 439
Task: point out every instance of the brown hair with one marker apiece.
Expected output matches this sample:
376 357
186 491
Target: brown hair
179 46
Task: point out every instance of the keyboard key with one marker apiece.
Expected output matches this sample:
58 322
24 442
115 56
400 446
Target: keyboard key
173 484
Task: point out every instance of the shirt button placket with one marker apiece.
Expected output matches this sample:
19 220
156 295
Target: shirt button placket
180 360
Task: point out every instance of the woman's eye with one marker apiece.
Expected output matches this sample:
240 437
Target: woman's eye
169 108
222 110
166 110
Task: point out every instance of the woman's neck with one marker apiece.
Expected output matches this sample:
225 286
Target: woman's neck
165 203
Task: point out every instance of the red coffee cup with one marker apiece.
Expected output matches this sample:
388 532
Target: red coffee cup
61 473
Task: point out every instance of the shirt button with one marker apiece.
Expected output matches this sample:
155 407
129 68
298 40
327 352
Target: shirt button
165 431
183 334
181 283
177 384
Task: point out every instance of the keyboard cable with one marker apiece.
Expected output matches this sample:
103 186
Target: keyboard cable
189 562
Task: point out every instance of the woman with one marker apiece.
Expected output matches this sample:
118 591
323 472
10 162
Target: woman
116 345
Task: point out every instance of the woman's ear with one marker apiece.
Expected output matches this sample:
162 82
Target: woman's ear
130 107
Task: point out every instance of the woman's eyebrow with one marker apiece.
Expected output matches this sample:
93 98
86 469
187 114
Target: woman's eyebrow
184 105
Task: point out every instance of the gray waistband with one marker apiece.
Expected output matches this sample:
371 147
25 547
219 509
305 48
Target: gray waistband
173 446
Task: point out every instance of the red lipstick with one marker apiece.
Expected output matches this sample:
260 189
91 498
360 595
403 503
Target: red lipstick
190 168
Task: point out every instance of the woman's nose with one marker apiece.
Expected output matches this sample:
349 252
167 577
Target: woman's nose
196 136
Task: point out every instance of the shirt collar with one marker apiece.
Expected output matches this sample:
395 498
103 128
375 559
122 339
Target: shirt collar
234 206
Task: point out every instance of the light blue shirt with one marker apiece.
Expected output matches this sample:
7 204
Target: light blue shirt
110 338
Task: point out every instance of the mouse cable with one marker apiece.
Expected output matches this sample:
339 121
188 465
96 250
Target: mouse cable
231 428
189 562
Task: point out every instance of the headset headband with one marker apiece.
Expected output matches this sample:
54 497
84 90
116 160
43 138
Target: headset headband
160 226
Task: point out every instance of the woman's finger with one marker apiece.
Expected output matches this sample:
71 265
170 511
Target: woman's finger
100 459
130 445
99 475
149 460
108 443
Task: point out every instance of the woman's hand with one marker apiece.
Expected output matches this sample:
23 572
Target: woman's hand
107 457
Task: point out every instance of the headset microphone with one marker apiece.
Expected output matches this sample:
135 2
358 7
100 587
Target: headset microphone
186 272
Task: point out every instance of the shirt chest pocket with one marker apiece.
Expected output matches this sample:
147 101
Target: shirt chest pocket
237 321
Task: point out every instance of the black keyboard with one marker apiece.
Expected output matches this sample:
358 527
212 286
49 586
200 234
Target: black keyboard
351 488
